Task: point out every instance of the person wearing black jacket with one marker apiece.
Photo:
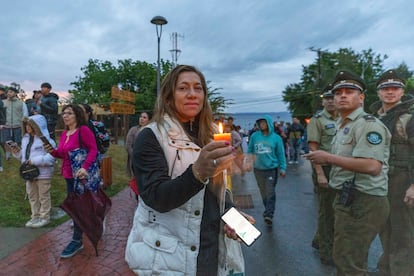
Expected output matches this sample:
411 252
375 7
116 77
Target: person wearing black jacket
2 121
49 107
174 161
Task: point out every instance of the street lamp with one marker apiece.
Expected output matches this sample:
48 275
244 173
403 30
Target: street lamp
158 21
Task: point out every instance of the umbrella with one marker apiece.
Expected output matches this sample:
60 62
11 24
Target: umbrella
88 211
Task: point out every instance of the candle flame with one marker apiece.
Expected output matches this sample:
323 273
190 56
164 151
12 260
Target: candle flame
220 128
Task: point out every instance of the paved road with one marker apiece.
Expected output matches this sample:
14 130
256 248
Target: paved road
285 248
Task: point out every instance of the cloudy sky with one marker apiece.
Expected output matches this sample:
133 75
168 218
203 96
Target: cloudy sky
250 49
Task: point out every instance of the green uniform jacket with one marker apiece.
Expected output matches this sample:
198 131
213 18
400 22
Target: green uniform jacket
321 129
364 136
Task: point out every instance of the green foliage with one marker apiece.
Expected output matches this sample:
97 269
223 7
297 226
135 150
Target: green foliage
406 74
15 208
217 102
409 86
99 77
303 98
94 86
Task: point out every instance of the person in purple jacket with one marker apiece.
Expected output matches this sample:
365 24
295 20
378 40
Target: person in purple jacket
76 135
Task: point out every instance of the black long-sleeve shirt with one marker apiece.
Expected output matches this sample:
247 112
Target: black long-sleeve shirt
162 193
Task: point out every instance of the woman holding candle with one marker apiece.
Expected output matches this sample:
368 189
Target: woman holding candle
177 223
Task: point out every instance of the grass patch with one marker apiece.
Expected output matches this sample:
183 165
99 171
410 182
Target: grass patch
15 207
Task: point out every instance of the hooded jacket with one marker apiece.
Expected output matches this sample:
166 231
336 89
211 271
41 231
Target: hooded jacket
38 156
268 149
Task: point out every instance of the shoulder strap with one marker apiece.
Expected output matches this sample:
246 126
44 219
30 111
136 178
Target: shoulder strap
79 137
29 146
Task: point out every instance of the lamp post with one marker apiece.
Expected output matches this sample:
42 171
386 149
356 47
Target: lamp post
158 21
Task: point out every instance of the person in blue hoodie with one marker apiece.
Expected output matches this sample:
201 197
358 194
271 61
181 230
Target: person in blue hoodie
267 151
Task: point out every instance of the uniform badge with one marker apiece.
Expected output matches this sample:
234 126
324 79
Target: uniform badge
329 126
346 130
374 138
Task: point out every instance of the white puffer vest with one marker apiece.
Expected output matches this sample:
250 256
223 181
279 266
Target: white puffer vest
168 243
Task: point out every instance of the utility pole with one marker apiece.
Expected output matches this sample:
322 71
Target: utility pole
319 53
175 52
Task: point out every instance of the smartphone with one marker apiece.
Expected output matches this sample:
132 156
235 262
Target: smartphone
244 229
45 141
12 145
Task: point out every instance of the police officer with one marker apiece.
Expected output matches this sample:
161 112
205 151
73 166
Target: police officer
396 111
359 159
321 130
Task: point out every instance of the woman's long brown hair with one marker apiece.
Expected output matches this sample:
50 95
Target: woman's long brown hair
165 104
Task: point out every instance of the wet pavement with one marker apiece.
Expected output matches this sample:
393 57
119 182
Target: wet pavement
41 255
283 249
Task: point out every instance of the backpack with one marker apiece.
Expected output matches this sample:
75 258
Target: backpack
101 135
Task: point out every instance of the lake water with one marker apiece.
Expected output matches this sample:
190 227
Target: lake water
246 120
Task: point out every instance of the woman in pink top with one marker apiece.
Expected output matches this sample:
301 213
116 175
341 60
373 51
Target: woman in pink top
76 127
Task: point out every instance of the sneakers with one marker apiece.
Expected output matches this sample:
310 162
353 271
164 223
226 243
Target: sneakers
31 222
296 162
268 220
40 223
72 248
290 162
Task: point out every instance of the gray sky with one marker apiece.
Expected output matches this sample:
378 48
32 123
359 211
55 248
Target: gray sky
250 49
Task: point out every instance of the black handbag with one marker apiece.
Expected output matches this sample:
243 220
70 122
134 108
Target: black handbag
29 171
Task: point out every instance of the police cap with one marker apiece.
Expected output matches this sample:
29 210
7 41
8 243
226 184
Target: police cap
390 79
327 91
346 79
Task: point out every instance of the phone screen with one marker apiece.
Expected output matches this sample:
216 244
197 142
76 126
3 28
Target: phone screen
244 229
11 145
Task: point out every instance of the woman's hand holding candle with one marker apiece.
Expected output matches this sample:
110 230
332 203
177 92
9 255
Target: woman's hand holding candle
213 158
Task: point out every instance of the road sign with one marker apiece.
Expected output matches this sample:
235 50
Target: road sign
122 108
123 95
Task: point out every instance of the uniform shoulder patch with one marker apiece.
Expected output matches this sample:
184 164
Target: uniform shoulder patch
318 114
374 138
369 118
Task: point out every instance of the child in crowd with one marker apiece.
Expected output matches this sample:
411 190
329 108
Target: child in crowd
34 130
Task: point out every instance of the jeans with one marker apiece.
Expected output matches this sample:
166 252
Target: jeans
266 180
12 133
77 232
294 145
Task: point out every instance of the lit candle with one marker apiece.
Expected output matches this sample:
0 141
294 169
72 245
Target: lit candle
222 136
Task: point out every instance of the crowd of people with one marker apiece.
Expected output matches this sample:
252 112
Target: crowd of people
21 134
362 171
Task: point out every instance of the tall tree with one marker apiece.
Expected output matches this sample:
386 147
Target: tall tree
99 77
94 86
303 98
